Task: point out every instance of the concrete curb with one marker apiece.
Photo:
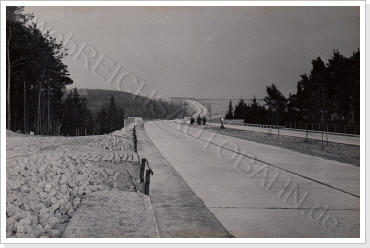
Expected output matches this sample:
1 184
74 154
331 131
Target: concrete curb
148 204
147 200
113 214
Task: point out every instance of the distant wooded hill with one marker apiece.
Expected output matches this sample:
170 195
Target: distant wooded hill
133 105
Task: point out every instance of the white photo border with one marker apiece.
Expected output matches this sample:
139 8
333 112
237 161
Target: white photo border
360 240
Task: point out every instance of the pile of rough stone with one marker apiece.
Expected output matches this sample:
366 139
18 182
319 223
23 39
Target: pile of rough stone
121 133
43 191
116 141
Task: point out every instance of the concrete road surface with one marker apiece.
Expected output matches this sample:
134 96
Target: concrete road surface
262 191
199 108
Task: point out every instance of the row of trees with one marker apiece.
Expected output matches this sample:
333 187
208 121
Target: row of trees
35 76
243 110
329 94
251 113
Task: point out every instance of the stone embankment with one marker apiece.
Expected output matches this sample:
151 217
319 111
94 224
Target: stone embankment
43 192
116 158
44 187
116 141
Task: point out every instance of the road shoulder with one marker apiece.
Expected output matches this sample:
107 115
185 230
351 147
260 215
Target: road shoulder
178 211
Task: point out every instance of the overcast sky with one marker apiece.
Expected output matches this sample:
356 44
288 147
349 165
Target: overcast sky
204 52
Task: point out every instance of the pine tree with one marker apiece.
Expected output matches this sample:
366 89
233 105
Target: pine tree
112 115
240 109
276 102
102 121
111 120
230 111
77 118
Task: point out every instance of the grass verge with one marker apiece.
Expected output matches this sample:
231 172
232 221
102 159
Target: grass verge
334 151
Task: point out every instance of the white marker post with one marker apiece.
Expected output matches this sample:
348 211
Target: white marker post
222 123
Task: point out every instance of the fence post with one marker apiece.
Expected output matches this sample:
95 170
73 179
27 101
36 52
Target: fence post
322 140
147 181
135 138
306 133
142 168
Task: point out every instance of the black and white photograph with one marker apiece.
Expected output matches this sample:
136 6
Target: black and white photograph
192 122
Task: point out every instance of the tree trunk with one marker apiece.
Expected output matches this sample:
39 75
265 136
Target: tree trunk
39 111
38 126
48 117
8 122
60 126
